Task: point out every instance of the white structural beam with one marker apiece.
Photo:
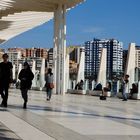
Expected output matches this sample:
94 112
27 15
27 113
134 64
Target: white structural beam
102 69
14 72
14 6
56 53
63 39
19 16
15 24
19 69
42 75
81 68
55 48
67 81
34 72
130 64
60 49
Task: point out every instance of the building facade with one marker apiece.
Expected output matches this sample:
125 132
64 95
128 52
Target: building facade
36 52
14 57
125 54
74 52
17 50
50 58
137 57
93 55
19 55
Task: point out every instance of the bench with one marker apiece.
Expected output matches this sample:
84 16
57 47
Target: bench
97 93
80 92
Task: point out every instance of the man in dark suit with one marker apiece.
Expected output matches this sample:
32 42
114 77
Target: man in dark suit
5 78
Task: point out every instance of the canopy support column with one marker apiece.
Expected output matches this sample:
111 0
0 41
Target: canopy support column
59 49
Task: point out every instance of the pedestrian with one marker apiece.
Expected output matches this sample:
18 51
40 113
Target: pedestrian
81 85
133 90
49 84
98 87
77 86
25 76
107 88
125 82
5 78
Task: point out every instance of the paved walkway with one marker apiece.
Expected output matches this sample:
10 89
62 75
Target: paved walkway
70 117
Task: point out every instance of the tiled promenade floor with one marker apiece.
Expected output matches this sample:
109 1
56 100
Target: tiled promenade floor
70 117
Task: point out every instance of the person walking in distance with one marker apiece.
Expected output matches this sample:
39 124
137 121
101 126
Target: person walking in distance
5 78
25 76
125 82
49 84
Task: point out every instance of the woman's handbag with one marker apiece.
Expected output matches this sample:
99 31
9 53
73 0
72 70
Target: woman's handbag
51 85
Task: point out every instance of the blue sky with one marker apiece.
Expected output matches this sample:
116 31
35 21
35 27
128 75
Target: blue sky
119 19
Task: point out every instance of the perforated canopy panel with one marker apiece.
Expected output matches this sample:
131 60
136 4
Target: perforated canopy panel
18 16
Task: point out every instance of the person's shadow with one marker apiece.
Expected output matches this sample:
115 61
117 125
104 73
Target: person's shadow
51 109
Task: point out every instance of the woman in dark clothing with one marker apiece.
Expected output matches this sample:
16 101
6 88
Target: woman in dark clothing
25 76
133 90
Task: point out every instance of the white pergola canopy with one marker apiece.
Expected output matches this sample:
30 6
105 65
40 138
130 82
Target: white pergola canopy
15 24
18 16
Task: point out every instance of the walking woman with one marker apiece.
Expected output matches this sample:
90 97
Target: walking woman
49 84
25 76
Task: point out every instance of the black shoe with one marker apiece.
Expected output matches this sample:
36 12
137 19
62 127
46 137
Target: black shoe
24 106
2 104
124 100
5 104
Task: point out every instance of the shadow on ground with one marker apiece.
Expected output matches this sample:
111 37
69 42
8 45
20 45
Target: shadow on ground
50 109
5 133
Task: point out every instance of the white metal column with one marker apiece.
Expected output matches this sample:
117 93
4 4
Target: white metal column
60 48
63 49
55 61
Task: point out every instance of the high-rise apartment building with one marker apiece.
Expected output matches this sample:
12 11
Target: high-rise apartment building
125 54
50 58
137 57
93 55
